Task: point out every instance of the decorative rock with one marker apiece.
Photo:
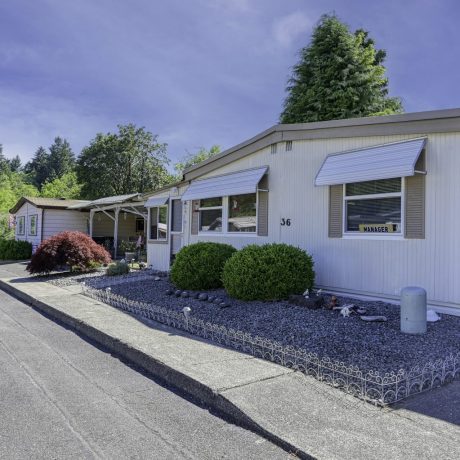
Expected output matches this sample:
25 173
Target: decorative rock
374 318
211 298
178 293
224 305
217 300
203 297
157 278
169 292
361 311
185 294
196 295
312 302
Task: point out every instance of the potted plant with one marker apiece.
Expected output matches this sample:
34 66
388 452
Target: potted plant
129 248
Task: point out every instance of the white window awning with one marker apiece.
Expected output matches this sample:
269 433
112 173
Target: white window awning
156 201
238 183
385 161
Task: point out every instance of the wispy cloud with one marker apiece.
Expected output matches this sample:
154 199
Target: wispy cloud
288 28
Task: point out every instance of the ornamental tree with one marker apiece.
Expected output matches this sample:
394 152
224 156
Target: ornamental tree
73 249
339 75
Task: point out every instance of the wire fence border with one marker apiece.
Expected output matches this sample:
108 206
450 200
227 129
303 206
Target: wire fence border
371 386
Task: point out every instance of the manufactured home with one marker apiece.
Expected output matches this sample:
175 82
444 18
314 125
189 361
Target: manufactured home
39 218
373 200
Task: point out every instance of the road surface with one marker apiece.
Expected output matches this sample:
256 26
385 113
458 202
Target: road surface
62 397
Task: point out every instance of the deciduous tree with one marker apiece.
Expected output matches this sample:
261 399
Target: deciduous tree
132 160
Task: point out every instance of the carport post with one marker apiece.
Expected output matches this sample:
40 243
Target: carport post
115 233
91 216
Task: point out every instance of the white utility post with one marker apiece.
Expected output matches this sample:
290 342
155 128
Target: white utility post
115 233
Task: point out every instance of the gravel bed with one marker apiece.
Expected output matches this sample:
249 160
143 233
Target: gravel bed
94 278
370 346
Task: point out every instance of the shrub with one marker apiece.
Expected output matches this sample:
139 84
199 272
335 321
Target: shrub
268 272
118 268
199 265
15 250
74 249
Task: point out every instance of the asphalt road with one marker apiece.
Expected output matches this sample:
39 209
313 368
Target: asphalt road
62 397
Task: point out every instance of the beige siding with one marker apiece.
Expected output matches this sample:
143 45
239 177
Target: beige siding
58 220
104 226
375 266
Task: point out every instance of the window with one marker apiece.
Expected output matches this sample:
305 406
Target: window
33 225
242 213
210 215
21 226
288 146
159 223
373 206
231 214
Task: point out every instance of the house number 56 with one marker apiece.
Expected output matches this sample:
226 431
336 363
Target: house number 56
285 222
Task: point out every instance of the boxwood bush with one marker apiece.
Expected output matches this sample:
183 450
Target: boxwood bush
118 268
268 272
199 265
73 249
15 250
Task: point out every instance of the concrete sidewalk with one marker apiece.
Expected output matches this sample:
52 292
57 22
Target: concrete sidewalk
297 412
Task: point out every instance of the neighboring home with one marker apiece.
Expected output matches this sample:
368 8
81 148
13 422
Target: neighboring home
372 199
109 220
39 218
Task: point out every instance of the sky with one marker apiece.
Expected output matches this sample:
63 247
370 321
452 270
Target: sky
195 72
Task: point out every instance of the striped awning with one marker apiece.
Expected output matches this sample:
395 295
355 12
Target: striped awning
238 183
156 201
385 161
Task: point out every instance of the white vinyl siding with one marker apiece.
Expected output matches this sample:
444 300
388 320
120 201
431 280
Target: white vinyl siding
375 266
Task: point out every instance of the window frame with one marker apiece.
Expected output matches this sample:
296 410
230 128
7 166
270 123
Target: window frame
19 219
225 217
211 208
177 232
29 229
362 235
158 240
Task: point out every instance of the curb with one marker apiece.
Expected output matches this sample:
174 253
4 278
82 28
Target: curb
213 400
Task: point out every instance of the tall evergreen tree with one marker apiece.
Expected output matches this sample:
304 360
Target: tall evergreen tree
38 169
339 75
61 158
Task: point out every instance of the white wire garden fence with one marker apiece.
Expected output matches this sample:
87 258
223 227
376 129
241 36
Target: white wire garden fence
371 386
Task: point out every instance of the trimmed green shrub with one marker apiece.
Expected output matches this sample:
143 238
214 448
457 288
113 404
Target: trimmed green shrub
71 249
199 265
118 268
15 250
268 272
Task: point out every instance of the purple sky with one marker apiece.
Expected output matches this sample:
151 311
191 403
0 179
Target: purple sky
197 72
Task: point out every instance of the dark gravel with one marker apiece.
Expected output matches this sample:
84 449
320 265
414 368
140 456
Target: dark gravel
370 346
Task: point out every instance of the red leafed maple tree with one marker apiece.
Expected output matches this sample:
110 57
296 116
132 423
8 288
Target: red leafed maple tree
73 249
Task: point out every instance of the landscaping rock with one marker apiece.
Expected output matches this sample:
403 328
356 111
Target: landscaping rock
211 298
169 292
375 318
185 294
217 301
224 305
312 302
178 293
203 297
196 295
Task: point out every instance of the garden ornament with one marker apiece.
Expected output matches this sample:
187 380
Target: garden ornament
346 310
333 303
186 311
432 316
306 294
